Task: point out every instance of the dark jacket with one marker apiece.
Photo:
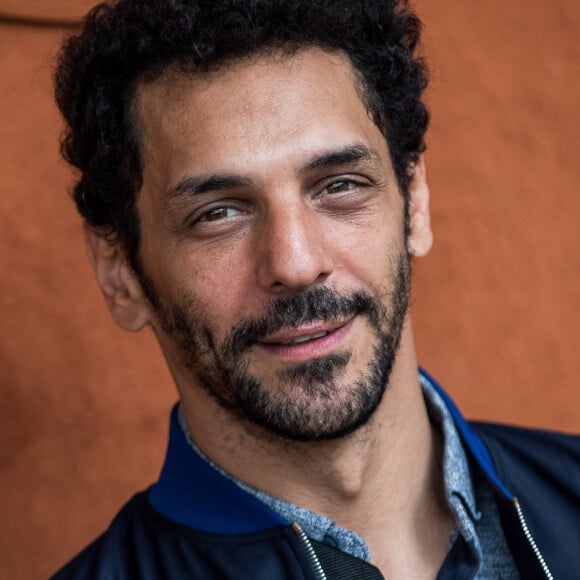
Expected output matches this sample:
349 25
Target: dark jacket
196 523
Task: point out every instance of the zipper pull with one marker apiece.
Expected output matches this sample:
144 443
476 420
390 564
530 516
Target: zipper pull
311 554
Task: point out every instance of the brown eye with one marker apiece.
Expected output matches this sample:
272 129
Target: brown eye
219 213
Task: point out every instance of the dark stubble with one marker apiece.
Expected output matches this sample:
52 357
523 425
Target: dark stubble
310 401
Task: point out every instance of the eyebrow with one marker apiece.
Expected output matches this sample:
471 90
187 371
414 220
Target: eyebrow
196 185
349 155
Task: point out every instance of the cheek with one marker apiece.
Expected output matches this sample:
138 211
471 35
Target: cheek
367 249
221 283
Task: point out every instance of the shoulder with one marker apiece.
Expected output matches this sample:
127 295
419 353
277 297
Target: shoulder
142 543
103 557
139 543
541 469
542 454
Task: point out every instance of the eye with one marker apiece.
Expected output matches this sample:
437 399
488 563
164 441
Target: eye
340 185
344 193
218 213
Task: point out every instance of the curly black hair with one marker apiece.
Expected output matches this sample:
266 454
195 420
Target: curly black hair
128 42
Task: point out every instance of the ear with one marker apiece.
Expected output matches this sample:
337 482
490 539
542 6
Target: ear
118 283
421 236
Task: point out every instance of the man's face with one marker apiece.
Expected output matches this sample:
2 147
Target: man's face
273 236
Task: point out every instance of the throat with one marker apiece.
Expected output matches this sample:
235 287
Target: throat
330 477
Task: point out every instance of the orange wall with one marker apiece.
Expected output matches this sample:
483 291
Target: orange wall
83 406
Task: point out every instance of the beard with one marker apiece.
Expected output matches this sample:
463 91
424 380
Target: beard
310 400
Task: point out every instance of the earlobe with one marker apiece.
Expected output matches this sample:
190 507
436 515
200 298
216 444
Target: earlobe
421 235
118 283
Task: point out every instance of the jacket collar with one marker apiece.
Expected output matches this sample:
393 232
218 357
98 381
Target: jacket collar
194 493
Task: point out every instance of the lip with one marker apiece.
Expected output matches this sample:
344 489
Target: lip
337 331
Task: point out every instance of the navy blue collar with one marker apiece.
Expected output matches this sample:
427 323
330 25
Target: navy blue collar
192 492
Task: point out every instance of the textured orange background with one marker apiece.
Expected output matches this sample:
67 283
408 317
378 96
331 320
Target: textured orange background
83 406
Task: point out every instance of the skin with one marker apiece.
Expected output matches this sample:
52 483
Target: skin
282 228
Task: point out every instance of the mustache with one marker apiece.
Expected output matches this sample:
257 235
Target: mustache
317 304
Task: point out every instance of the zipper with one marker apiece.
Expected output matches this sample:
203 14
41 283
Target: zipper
320 575
531 540
312 557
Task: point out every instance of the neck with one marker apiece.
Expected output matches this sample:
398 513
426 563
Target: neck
382 482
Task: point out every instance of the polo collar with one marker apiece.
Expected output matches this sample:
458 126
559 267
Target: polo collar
470 439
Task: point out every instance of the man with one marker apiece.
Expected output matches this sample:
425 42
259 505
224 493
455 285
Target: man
253 188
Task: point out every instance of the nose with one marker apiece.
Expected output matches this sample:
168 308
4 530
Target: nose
292 250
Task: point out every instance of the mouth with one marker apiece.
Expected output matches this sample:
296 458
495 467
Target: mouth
301 339
307 341
306 338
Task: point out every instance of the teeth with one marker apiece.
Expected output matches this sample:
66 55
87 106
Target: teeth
301 339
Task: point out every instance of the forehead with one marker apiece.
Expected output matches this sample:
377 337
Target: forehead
275 74
262 109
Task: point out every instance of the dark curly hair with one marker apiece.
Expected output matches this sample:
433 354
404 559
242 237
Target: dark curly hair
128 42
